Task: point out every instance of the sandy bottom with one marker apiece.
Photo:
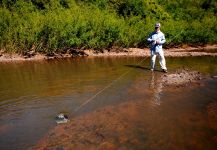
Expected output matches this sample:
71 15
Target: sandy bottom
134 125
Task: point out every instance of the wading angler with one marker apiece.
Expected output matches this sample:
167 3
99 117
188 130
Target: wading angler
156 40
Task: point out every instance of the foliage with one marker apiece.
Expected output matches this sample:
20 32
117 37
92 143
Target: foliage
54 25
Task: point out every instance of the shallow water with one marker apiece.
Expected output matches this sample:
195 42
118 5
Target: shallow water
33 93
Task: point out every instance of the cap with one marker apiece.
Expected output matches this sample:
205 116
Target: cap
157 25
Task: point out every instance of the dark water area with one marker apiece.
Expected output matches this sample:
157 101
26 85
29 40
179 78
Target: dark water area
33 93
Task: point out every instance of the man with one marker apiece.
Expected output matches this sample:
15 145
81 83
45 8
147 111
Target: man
157 39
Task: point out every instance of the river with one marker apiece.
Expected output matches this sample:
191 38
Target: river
32 93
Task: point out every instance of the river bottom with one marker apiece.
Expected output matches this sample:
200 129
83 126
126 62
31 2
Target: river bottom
133 113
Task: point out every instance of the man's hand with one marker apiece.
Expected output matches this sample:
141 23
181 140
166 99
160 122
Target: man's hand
157 41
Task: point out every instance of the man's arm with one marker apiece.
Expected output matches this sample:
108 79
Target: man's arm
149 39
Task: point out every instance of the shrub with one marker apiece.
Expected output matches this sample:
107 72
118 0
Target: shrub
50 26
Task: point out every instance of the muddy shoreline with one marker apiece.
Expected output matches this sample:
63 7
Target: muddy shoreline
184 51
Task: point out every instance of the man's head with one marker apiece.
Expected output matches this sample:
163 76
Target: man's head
157 26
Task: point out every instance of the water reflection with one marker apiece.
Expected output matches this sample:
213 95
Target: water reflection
157 86
33 93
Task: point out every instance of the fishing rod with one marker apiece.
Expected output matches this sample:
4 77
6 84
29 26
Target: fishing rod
175 37
113 82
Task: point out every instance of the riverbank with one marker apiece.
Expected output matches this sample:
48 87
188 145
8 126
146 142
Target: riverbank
183 51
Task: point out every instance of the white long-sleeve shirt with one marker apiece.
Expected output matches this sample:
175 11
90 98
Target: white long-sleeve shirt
156 36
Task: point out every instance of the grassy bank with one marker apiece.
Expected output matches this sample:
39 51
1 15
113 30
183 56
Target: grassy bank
57 25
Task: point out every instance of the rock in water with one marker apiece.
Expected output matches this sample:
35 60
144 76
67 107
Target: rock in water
61 118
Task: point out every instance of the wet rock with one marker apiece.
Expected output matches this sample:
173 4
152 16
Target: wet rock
50 54
181 77
29 54
104 51
125 50
25 57
62 118
75 52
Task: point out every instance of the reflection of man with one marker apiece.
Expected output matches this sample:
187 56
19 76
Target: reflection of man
157 39
157 87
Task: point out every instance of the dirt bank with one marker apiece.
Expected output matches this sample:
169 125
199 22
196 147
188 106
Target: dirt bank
184 51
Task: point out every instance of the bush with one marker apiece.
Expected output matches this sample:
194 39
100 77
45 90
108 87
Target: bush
50 26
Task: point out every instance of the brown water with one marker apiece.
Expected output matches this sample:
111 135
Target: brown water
33 93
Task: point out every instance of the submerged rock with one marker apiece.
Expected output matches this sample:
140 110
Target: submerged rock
61 118
181 77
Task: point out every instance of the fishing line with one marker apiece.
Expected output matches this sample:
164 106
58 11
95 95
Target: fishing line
113 82
175 37
108 86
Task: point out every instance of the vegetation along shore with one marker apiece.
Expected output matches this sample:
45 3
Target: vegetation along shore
53 27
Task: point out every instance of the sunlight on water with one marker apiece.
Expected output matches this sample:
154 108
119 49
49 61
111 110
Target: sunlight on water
33 93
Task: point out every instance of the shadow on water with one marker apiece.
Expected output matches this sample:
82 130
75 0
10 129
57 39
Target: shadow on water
136 112
142 67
